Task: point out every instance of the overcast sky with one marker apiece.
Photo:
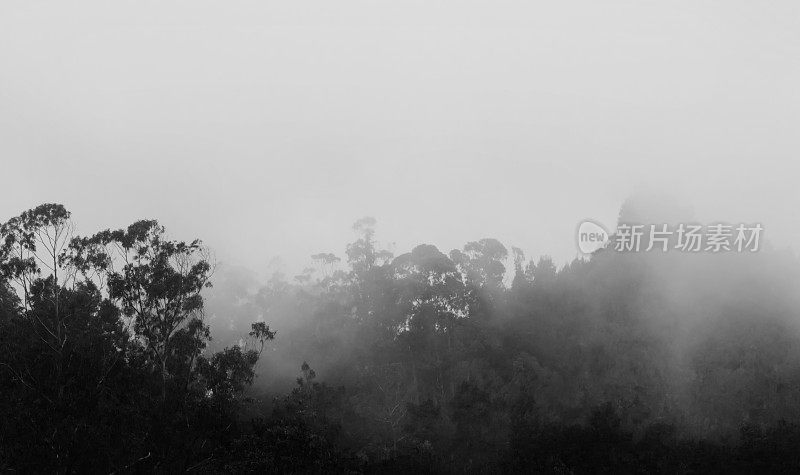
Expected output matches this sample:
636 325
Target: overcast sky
268 128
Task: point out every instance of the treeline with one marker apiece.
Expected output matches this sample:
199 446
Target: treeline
421 362
102 351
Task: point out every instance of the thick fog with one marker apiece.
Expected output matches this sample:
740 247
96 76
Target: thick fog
389 195
268 128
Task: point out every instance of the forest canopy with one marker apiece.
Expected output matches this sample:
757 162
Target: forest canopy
128 351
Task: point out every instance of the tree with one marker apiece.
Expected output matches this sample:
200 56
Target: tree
157 283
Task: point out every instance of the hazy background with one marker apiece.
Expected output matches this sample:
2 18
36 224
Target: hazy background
267 128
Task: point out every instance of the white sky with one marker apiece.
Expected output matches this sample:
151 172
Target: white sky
268 128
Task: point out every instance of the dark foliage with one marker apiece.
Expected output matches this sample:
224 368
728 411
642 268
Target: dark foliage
432 362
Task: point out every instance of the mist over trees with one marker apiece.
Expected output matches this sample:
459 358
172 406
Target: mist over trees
118 355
